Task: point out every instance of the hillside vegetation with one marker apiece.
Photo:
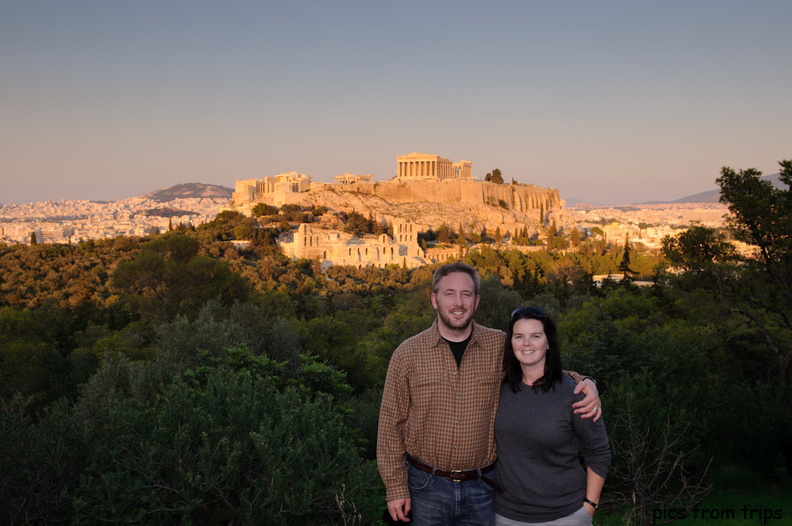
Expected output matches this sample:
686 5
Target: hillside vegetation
180 379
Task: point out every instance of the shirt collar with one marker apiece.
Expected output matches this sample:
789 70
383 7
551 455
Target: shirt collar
438 339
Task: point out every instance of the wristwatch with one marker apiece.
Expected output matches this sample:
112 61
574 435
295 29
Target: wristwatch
594 504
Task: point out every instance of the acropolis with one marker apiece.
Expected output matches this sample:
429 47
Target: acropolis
420 177
421 180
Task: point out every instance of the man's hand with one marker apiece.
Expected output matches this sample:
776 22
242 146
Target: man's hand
398 509
589 406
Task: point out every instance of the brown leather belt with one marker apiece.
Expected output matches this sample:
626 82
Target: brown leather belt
457 474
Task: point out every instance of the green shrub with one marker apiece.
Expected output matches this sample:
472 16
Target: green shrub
38 460
231 449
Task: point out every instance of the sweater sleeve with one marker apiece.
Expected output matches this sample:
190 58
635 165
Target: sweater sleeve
595 444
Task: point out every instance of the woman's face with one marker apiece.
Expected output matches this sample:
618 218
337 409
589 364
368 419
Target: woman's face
529 342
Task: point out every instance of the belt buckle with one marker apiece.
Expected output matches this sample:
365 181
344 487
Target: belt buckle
457 474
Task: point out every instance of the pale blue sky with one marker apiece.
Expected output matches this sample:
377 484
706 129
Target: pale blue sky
611 102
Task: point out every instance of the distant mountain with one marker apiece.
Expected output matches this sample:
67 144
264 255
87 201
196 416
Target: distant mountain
190 191
713 196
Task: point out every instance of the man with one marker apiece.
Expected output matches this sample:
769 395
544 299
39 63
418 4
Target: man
436 447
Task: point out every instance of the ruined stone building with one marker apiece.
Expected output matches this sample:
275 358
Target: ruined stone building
275 190
335 247
423 166
348 178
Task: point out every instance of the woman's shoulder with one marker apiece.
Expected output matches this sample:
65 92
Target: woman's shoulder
567 386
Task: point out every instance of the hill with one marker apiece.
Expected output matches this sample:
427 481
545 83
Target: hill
710 196
713 196
190 191
429 204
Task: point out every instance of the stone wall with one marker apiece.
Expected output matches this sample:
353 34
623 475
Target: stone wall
334 247
520 198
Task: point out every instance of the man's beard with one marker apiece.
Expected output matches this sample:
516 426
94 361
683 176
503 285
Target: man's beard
454 324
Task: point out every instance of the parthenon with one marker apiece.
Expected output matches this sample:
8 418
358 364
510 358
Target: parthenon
422 166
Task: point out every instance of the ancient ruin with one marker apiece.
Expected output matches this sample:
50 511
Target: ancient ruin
428 190
335 247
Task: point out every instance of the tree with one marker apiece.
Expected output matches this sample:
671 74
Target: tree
760 290
494 176
23 354
575 237
762 216
624 266
697 249
221 446
357 224
263 209
169 277
658 450
444 234
39 460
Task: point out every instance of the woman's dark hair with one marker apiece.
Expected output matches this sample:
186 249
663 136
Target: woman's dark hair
511 366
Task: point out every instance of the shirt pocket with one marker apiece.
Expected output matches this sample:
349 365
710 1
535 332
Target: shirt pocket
426 390
484 390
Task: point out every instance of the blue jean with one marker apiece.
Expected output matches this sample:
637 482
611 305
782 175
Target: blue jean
438 501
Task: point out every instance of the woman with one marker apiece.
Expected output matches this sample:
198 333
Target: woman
538 437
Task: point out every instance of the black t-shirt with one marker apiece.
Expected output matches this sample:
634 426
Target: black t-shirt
458 349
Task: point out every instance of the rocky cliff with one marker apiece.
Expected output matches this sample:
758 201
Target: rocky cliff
473 205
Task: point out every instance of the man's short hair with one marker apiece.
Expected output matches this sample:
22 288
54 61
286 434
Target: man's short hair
457 266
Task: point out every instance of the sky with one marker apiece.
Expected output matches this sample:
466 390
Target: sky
611 102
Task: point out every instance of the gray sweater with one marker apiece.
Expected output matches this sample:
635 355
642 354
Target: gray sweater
538 438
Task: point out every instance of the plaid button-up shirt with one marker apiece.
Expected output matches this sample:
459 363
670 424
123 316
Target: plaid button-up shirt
436 412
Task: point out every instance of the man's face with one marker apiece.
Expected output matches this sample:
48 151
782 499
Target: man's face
455 301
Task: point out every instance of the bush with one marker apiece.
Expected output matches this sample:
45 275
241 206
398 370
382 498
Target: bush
658 461
38 460
230 449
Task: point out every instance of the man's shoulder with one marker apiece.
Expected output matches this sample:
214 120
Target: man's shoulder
487 333
488 330
429 336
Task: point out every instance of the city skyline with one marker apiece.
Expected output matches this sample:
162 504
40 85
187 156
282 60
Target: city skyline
610 102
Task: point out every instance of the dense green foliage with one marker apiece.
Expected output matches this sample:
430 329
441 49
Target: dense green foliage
495 176
184 379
